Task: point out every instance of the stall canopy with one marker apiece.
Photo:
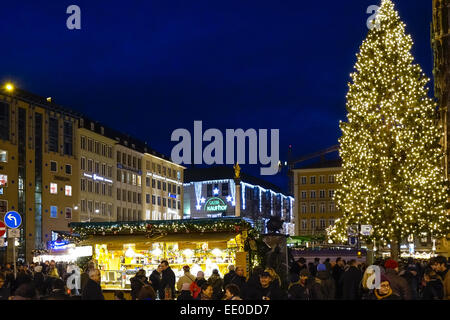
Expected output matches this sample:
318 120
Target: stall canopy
164 230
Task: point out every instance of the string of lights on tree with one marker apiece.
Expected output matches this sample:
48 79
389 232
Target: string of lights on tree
392 177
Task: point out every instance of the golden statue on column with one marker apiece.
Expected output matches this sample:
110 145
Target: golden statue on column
237 171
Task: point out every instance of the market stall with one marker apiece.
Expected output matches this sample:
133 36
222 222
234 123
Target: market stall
120 249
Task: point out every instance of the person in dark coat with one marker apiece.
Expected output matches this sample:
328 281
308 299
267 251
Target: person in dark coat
385 291
266 289
84 278
324 287
217 283
398 284
337 273
93 290
58 291
4 290
168 278
239 279
39 280
200 280
411 275
351 280
298 266
155 280
434 289
299 289
227 278
137 282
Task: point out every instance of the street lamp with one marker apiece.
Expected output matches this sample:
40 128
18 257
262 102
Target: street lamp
9 87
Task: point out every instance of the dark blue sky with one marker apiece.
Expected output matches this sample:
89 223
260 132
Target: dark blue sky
149 67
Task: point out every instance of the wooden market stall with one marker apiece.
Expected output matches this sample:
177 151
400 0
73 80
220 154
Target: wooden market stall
120 249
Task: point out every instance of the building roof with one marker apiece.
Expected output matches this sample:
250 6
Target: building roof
335 163
139 145
42 102
194 174
120 137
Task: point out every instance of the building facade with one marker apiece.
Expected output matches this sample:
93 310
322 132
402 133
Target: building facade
211 193
162 189
97 173
314 188
38 167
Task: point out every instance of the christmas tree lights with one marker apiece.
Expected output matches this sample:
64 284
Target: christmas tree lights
392 177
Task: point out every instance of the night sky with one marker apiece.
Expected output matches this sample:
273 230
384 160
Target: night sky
149 67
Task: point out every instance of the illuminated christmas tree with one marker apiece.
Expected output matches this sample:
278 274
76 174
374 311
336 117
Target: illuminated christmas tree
392 178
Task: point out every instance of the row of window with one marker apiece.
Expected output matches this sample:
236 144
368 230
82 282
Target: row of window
129 196
54 189
171 188
54 167
96 187
322 194
162 170
166 202
128 160
128 177
312 224
97 147
100 208
124 214
312 179
213 190
322 207
96 167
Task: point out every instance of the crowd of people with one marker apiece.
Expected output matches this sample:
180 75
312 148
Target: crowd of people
327 280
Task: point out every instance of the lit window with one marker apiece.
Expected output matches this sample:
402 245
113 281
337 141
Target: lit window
68 213
53 212
53 188
3 180
69 191
3 156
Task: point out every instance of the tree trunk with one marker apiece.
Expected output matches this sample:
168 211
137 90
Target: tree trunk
395 249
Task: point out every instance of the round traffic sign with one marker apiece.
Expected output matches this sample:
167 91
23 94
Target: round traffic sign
13 219
2 229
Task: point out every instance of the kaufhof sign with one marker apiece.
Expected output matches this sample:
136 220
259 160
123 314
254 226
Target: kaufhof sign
215 205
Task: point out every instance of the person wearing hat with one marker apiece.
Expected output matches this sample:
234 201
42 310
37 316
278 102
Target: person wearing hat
267 289
186 278
398 284
185 292
324 287
299 289
384 292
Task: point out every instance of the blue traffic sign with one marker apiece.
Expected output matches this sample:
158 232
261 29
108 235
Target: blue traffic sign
13 219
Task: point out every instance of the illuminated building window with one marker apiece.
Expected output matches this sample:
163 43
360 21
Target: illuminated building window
3 156
53 212
68 191
53 188
3 180
68 213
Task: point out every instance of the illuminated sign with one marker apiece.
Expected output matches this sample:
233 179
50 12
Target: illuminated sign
215 204
97 178
53 188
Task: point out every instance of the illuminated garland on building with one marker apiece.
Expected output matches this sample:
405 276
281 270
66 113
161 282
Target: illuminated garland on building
392 175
